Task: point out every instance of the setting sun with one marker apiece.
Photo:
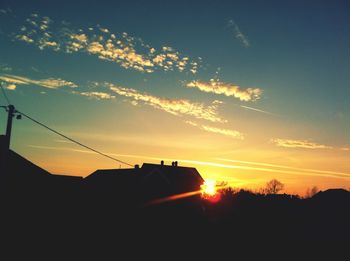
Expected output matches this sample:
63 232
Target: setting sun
209 188
209 191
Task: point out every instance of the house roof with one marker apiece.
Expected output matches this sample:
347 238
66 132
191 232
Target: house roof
111 172
179 178
150 179
18 166
22 172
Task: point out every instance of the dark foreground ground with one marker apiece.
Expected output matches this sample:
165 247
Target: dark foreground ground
65 218
61 221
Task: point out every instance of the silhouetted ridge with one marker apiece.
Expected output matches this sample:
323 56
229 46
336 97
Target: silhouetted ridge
332 194
148 201
15 164
149 182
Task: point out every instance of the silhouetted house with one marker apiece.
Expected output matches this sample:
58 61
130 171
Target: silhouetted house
15 167
17 174
331 197
149 181
178 179
332 194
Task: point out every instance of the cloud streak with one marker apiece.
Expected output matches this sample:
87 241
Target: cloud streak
97 95
127 51
265 169
228 89
305 144
173 106
226 132
269 168
36 30
238 33
5 11
231 133
255 109
340 174
50 83
9 86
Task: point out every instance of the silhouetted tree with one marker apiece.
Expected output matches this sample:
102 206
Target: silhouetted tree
273 187
222 184
228 193
260 191
311 192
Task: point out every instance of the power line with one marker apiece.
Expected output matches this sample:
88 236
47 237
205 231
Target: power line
4 93
72 140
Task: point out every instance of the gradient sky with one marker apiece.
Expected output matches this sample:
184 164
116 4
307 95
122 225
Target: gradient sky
245 91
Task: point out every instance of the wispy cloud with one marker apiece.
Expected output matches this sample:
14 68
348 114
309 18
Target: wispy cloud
228 89
63 141
5 68
37 30
127 51
262 167
287 167
5 11
97 95
192 123
59 148
255 109
288 143
11 86
265 169
50 83
24 38
226 132
232 133
127 57
238 33
173 106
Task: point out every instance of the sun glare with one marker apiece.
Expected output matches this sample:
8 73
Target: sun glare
208 188
209 191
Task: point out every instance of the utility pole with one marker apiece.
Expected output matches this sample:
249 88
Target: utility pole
11 112
6 139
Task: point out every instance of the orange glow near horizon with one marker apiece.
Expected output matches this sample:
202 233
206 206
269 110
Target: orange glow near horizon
248 168
209 191
209 187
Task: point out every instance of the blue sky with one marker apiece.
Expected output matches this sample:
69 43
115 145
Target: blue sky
262 81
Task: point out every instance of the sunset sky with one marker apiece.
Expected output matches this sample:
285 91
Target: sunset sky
245 91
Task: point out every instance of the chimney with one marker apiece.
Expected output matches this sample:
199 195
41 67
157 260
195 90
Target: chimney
162 163
137 166
175 164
